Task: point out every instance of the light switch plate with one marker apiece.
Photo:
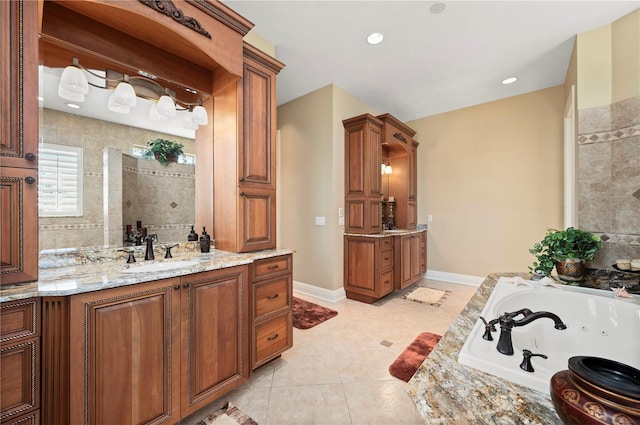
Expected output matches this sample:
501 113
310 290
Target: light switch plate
320 221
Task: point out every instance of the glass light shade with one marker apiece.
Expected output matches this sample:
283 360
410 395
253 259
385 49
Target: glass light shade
166 107
124 95
188 121
69 95
200 116
153 113
73 84
382 168
117 107
388 169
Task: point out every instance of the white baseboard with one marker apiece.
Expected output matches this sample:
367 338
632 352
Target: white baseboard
461 279
320 293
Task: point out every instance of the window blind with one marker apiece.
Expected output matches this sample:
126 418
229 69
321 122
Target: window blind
59 181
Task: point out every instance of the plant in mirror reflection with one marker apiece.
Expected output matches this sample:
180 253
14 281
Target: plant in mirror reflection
163 150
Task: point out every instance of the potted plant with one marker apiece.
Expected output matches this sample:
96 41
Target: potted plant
165 151
567 250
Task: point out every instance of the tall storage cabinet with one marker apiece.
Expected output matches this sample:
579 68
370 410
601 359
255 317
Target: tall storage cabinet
245 181
363 184
19 142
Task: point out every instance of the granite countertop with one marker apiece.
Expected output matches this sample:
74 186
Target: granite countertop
387 233
97 275
447 392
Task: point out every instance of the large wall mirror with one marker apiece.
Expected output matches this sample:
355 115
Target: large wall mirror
118 187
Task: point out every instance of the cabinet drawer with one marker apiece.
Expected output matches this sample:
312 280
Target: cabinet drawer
19 378
386 260
386 243
271 296
32 418
19 319
386 282
272 337
265 268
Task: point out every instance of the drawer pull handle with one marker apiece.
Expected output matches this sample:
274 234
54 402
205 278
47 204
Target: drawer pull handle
273 267
176 287
272 337
29 180
386 281
243 194
272 297
186 285
386 258
30 156
241 179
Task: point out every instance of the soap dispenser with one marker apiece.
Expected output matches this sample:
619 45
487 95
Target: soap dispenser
193 236
205 241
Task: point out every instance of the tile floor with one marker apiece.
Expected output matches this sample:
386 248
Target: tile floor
337 372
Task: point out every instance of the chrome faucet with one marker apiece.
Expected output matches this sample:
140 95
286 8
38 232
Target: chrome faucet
508 321
149 239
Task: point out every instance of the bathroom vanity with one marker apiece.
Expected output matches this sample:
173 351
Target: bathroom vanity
159 345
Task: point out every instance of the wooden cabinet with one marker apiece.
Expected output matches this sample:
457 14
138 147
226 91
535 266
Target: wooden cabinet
20 361
363 185
245 180
18 142
410 257
271 308
368 267
400 151
160 350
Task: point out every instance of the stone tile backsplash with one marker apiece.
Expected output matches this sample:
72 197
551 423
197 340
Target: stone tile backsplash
609 178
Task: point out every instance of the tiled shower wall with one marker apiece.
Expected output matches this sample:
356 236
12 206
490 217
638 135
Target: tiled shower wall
609 178
93 136
162 198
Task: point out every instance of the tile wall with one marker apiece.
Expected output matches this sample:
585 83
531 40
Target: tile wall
609 178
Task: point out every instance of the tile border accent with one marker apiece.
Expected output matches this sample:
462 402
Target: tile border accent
151 172
610 135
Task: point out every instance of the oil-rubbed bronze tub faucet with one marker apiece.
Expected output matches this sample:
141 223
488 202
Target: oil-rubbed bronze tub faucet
508 321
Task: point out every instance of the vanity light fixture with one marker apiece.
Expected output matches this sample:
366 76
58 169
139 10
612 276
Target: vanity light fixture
386 169
74 86
509 80
375 38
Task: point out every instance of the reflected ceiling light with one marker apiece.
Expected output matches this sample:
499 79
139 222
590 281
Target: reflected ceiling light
73 83
438 7
72 105
509 80
375 38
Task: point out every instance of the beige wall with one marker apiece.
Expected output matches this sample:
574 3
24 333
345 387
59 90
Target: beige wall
312 182
491 177
625 52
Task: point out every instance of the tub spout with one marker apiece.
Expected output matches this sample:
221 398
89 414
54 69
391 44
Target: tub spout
508 321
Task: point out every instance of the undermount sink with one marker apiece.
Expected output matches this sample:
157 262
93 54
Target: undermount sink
396 231
160 266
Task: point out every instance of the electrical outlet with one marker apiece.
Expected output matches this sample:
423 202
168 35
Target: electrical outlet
429 218
340 221
340 212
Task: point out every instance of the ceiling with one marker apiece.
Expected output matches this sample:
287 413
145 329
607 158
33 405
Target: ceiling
428 63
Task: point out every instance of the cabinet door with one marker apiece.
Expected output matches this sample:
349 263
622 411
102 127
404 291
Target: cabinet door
360 265
19 88
215 337
415 258
125 355
257 220
406 271
413 172
18 225
257 150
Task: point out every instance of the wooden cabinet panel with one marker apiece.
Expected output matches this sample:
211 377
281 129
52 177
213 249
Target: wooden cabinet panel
32 418
20 361
258 218
215 316
269 267
415 258
18 225
18 142
272 337
125 351
368 267
410 259
271 296
363 184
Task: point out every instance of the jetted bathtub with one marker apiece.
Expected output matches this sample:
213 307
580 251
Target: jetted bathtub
598 324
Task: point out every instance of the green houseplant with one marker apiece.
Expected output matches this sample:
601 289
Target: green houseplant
165 151
567 250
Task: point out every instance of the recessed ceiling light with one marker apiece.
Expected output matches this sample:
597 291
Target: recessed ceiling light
509 80
72 105
438 7
375 38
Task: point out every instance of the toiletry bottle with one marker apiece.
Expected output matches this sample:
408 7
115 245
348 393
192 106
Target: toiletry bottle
193 236
205 241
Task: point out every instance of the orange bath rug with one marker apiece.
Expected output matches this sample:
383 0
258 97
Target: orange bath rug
412 357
